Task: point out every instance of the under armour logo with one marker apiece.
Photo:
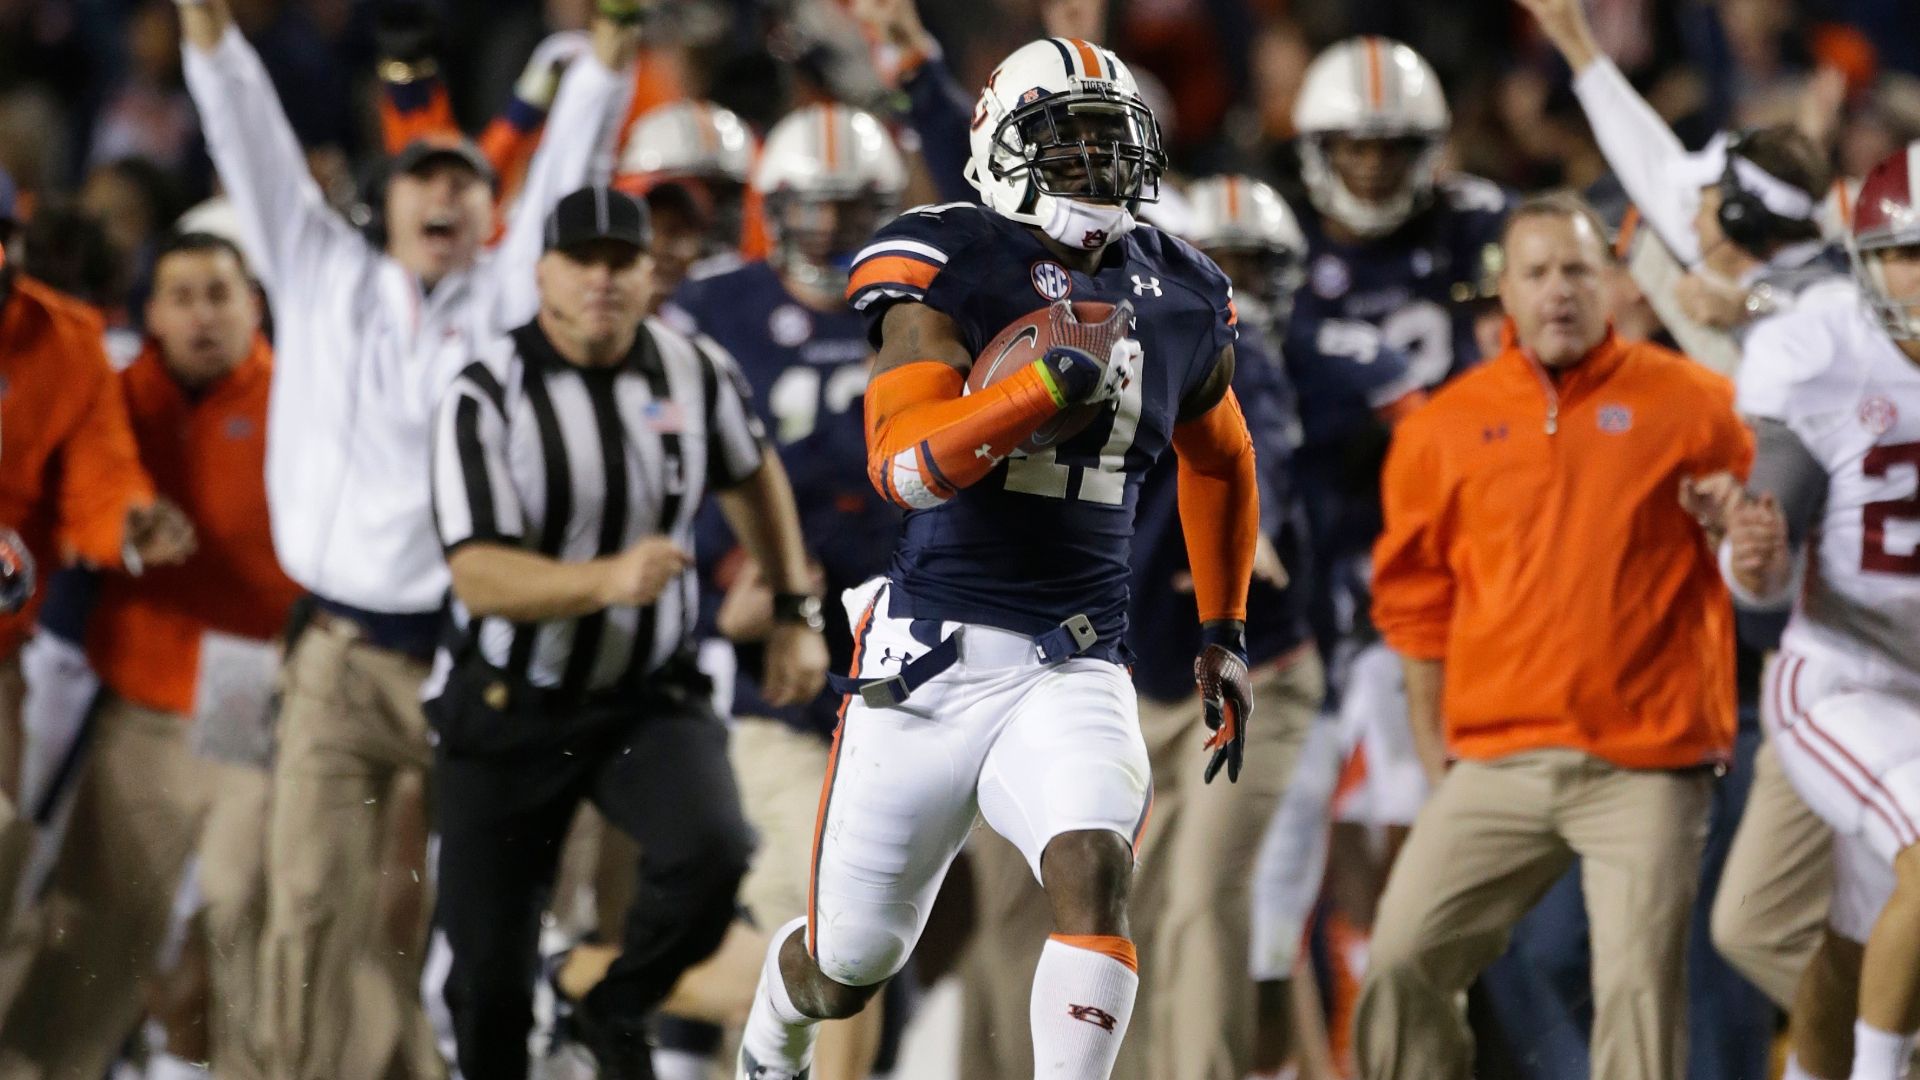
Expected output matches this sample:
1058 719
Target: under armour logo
1140 287
887 655
986 451
1099 1018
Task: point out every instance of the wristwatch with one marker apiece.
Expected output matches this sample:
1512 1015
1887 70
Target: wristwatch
802 608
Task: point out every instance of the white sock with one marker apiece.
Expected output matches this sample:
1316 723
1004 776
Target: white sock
778 1034
1796 1071
164 1066
680 1065
1879 1055
1082 1000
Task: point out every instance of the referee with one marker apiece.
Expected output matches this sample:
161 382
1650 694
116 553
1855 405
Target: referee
569 463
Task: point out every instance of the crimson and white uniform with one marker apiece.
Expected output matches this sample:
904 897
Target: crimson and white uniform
1842 701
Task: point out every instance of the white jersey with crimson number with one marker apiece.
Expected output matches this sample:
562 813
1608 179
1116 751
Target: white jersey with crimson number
1833 391
1851 397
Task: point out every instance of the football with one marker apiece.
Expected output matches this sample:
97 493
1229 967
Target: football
1023 341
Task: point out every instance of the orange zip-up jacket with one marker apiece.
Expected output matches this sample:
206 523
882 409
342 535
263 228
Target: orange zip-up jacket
1535 542
68 469
207 453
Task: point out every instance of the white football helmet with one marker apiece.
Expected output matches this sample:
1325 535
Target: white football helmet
830 176
1246 226
1063 141
1370 88
703 150
688 139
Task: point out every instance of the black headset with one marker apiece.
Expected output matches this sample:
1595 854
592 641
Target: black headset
1745 218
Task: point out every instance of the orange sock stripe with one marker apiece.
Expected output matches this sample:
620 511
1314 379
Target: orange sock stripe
1117 948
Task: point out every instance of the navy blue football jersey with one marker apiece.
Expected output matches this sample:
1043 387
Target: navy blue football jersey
1408 287
1409 282
1166 625
808 372
1046 536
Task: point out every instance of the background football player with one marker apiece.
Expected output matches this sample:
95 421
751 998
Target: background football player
828 176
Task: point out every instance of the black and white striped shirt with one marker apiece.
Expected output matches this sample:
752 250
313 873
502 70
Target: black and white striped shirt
577 463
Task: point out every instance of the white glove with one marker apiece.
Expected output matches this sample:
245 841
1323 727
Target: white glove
540 79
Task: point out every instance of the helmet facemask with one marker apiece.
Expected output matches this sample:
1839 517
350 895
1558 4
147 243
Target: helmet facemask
1096 146
1375 216
1264 278
817 237
1897 312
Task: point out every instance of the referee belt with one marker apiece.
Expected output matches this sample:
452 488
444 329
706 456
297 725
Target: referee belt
1064 642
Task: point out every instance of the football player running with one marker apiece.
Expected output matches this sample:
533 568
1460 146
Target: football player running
1833 392
989 672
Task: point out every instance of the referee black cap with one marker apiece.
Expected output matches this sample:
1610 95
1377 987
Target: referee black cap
598 213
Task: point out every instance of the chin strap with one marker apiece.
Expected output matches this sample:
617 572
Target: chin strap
1087 226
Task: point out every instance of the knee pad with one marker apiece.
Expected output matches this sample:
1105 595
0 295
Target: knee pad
865 950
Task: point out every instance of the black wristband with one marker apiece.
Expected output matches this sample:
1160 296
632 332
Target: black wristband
801 608
1228 633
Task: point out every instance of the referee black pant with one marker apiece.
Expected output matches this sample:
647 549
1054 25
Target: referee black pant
507 785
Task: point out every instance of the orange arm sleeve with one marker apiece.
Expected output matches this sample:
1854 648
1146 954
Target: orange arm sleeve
101 476
1219 507
1412 581
414 110
925 441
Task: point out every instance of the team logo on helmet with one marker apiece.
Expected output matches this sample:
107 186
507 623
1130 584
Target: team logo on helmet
1052 281
1033 95
1878 414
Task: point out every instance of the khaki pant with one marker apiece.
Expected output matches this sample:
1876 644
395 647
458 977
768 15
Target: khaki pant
780 772
1774 892
145 804
1191 903
233 890
338 1001
1482 851
16 831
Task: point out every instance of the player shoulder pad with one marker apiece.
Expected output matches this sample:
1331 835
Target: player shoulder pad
1466 193
1786 356
905 256
1188 267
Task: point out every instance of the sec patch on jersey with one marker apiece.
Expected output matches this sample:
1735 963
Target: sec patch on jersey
1025 340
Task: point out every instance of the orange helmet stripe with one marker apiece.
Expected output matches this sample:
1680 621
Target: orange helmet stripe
829 137
1843 201
1376 75
1089 59
1233 198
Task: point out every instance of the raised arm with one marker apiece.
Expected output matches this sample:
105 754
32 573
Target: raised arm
576 149
261 165
1637 143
